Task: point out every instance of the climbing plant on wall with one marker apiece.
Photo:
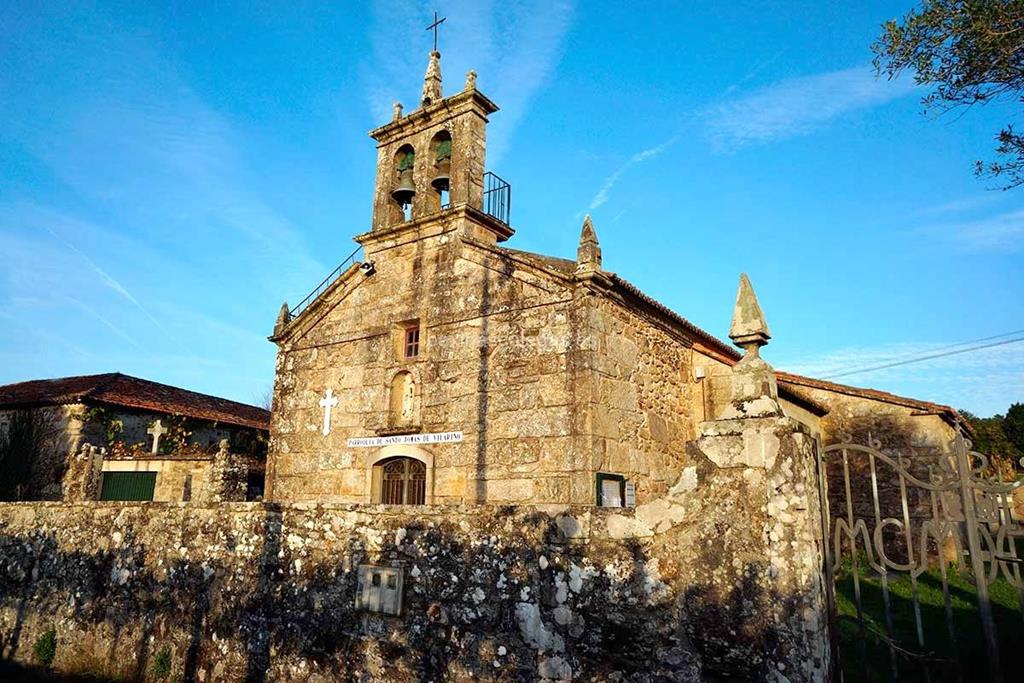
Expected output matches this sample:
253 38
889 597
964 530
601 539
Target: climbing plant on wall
110 426
28 434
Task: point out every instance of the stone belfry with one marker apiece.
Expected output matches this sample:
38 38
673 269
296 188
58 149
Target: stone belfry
430 163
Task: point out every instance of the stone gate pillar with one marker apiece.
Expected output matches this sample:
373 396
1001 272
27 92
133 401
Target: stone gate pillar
777 558
85 471
228 476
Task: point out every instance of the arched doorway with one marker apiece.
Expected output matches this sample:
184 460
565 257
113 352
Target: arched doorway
400 481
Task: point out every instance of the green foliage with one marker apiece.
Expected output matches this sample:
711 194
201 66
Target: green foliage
161 666
444 150
927 591
1001 438
45 648
112 426
967 52
1013 425
406 162
21 445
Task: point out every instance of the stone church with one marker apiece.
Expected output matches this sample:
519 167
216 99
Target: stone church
448 368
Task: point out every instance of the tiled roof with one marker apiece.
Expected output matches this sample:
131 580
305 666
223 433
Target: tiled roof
131 392
567 268
943 411
706 337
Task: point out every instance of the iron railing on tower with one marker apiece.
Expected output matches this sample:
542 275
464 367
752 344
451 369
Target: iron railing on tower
497 197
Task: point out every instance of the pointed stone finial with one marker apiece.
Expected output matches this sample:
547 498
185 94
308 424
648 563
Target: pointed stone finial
749 330
470 80
432 80
755 392
284 316
588 253
397 111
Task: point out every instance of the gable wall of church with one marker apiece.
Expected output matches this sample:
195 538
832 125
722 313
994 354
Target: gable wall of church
496 363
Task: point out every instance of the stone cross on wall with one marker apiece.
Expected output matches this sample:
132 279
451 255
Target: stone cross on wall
328 402
157 430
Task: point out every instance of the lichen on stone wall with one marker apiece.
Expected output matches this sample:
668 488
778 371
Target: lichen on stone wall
492 593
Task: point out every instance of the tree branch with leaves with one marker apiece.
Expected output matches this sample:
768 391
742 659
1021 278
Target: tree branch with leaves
966 52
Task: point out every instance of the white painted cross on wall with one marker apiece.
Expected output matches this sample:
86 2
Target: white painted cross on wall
327 403
157 430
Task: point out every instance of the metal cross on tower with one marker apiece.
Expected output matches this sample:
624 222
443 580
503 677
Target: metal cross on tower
437 22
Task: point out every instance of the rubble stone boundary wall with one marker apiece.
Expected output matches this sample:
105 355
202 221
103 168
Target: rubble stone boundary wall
263 592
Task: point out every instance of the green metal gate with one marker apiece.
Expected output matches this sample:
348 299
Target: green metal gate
128 486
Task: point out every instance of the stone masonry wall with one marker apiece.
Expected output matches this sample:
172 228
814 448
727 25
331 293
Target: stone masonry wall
715 580
642 405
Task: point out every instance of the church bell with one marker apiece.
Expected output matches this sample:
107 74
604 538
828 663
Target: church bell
442 173
405 190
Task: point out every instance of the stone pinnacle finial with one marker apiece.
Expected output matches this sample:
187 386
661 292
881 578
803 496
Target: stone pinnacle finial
397 111
470 80
284 316
432 80
754 389
588 253
749 330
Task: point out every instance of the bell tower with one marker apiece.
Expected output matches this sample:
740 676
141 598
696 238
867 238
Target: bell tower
430 162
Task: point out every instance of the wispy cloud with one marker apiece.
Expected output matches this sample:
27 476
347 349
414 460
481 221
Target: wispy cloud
514 47
643 155
107 280
961 205
1002 231
979 381
753 73
797 106
89 310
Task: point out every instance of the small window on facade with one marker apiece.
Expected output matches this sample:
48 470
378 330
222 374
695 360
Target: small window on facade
412 341
611 490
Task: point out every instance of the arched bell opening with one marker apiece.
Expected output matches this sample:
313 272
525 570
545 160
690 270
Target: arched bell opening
441 167
405 180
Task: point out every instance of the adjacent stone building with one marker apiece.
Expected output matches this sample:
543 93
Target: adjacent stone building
116 437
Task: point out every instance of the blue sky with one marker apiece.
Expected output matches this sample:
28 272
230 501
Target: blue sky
170 173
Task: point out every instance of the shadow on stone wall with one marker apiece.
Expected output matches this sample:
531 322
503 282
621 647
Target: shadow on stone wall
479 603
895 437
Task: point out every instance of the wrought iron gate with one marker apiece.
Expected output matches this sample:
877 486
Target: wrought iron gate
924 564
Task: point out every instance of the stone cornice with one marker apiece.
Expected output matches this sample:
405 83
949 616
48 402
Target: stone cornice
447 220
467 100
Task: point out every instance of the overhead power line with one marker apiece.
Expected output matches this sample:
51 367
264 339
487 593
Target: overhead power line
977 341
929 356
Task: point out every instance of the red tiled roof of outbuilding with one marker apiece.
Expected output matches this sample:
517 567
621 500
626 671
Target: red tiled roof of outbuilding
126 391
948 413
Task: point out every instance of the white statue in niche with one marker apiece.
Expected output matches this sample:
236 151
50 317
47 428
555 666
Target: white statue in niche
403 399
408 394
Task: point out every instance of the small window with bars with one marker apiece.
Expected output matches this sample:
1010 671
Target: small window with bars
412 342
